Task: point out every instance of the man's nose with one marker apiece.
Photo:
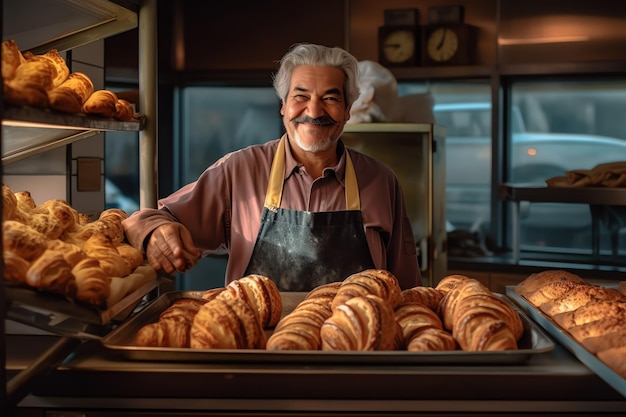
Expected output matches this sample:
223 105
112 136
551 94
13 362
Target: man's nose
316 108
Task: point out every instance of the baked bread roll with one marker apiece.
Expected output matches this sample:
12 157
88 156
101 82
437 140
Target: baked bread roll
539 279
596 328
261 293
592 311
300 329
51 272
428 296
70 96
227 324
580 296
22 240
378 282
361 323
102 103
615 358
612 339
92 282
15 268
550 291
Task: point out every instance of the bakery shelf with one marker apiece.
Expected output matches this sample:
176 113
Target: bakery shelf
40 25
29 131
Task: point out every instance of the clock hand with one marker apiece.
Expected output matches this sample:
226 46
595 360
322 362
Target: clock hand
443 38
392 45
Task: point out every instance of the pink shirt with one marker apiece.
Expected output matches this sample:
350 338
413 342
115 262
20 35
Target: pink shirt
222 209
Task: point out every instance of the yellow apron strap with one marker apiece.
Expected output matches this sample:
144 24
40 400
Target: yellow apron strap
277 176
353 201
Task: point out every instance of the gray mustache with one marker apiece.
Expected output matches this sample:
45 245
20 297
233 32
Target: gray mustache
319 121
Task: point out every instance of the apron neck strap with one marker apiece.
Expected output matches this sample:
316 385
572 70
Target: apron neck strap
277 177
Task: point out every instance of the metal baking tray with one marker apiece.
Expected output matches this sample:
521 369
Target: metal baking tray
59 315
534 341
562 336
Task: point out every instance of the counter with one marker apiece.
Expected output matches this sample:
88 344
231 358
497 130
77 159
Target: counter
96 378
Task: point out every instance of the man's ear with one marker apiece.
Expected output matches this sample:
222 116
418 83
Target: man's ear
282 107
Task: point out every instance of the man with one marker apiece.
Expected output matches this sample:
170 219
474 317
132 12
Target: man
299 209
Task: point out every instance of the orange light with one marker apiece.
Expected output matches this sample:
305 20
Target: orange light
531 151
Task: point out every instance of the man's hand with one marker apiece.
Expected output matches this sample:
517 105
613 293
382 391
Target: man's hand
171 249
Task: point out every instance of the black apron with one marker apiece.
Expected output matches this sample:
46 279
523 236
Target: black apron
300 250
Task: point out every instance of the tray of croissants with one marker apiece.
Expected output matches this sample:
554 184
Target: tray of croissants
365 317
45 82
59 263
588 319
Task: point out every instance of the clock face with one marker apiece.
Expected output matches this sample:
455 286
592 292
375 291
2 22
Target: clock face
442 44
399 46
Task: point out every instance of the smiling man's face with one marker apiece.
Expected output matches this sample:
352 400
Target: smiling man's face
315 112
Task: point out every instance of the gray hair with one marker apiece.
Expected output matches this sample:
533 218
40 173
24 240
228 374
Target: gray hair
318 55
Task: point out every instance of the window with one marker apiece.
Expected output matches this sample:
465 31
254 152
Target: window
218 120
568 125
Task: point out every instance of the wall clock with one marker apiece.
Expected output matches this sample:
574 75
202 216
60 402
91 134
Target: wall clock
398 45
448 44
447 39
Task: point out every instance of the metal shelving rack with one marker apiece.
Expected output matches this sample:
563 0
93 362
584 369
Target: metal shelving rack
63 25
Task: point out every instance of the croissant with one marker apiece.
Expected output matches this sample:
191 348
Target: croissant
325 290
92 283
300 329
450 281
101 102
422 329
132 255
72 253
101 247
261 293
15 267
227 324
51 272
211 293
173 327
59 68
371 281
362 323
70 96
22 240
428 296
478 319
9 203
124 110
30 84
11 58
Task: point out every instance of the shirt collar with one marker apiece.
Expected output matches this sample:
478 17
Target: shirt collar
292 166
